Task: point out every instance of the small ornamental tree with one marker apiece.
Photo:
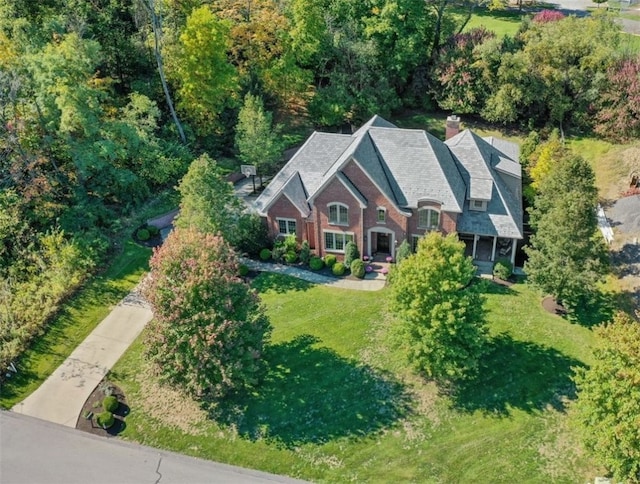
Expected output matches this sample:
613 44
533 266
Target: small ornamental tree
607 410
209 329
404 251
441 314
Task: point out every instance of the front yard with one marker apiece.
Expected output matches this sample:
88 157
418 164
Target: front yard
339 403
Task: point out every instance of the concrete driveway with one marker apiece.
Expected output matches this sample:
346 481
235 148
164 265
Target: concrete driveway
61 397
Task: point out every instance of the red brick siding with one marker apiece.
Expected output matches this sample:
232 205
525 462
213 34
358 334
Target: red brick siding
448 220
283 208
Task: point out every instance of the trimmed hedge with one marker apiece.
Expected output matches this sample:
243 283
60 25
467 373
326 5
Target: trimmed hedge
153 230
290 257
243 270
316 263
338 269
143 234
350 254
330 260
110 403
305 252
357 268
265 254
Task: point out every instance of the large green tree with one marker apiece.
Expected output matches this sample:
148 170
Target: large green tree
567 256
208 202
209 328
607 409
440 312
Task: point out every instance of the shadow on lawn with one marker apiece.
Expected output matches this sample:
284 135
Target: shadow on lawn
520 375
311 394
280 283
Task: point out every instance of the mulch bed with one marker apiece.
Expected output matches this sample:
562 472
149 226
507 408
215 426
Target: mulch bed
94 405
551 306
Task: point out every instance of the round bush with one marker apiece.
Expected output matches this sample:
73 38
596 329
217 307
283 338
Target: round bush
110 403
338 269
265 254
330 260
153 230
105 419
503 269
243 270
357 268
290 257
316 263
143 234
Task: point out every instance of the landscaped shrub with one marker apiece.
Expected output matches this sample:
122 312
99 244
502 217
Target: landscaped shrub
305 252
290 257
278 252
403 251
330 260
357 268
503 269
338 269
265 254
243 270
110 403
316 263
105 419
153 230
350 254
251 235
290 243
143 234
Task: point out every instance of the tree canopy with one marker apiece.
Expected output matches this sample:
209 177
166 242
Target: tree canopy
441 314
209 329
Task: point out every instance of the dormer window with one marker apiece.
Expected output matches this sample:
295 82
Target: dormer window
381 215
338 214
428 219
478 205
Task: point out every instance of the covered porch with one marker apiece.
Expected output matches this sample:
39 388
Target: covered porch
489 248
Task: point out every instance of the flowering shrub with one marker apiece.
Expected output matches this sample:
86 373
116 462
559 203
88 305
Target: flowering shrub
389 259
384 271
368 269
546 16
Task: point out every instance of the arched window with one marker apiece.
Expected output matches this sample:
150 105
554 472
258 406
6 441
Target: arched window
428 218
338 214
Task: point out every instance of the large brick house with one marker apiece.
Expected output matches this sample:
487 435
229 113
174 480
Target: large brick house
383 184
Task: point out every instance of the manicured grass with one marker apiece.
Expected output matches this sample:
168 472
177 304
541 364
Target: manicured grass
500 22
339 403
79 316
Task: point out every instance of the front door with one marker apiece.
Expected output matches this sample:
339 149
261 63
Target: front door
382 242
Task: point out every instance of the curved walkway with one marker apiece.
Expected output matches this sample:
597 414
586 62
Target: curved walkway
369 283
61 397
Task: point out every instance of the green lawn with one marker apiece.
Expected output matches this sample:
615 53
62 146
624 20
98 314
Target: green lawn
500 22
76 320
339 403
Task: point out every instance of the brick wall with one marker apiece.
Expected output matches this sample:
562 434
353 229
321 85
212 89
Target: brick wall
283 208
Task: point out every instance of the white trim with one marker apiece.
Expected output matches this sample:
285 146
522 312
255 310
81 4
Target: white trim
334 232
384 230
287 220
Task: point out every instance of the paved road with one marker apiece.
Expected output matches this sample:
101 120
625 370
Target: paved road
61 397
36 452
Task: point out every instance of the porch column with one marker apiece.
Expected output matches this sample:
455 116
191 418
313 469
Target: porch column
514 245
493 250
475 243
369 235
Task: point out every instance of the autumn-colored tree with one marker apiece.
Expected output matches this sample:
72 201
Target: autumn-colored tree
607 409
441 314
209 328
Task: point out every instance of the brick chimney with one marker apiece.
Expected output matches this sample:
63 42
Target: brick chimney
453 126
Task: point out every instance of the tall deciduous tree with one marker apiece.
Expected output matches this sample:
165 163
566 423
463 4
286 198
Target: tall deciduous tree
209 329
207 82
566 254
208 202
257 141
607 409
442 316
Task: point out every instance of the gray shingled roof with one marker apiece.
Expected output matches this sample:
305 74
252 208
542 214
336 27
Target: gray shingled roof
476 157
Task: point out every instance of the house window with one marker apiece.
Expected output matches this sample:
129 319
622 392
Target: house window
338 214
335 241
478 204
382 215
428 218
286 226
